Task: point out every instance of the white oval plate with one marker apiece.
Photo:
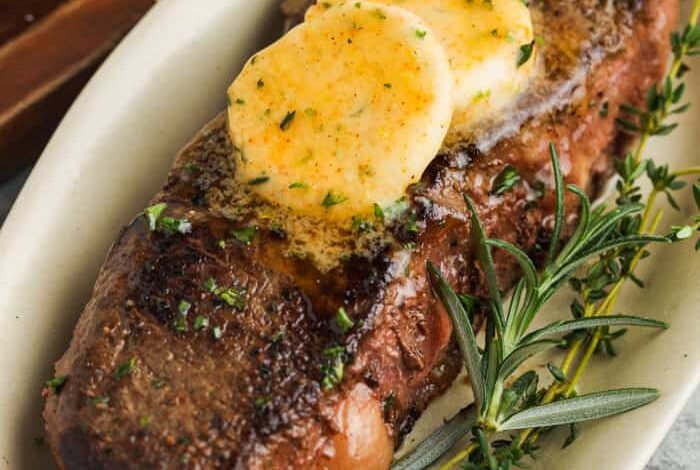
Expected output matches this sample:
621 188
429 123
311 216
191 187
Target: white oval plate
111 154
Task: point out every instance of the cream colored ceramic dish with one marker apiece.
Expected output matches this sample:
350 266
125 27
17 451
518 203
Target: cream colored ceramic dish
111 154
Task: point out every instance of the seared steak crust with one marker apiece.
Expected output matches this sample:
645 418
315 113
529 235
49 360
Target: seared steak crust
149 387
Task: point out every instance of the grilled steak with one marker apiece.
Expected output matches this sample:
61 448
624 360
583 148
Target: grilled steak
246 372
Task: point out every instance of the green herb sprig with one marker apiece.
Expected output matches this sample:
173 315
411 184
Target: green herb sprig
598 260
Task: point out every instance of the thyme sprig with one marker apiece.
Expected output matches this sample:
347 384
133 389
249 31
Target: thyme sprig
598 261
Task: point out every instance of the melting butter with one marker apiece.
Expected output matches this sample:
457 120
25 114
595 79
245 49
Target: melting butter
348 109
484 41
343 112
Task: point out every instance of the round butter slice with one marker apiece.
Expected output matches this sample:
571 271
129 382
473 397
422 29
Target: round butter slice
483 40
342 112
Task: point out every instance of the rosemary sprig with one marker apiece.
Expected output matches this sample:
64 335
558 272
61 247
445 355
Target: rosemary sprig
500 407
601 285
604 251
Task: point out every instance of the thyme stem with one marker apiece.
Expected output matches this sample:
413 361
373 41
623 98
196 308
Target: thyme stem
454 461
557 389
692 21
694 170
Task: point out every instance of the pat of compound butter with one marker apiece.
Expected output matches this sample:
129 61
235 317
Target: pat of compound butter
343 112
483 40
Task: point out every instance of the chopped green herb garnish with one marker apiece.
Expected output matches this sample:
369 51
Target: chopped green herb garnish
411 225
240 152
99 400
525 52
210 285
261 402
173 225
200 323
244 235
240 101
180 324
277 337
538 188
153 213
333 367
379 14
158 383
232 297
156 220
604 110
387 85
421 33
144 421
259 180
184 307
332 198
359 224
125 369
287 121
216 332
298 185
343 321
396 210
192 168
481 95
378 212
505 181
56 383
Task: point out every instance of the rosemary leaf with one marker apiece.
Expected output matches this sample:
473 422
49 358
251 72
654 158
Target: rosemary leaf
563 327
525 262
523 353
559 204
582 408
486 263
621 242
583 222
439 442
463 330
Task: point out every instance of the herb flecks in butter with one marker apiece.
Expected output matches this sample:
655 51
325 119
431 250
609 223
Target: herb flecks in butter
333 198
259 180
525 52
287 121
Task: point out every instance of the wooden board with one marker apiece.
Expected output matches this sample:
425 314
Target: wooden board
48 51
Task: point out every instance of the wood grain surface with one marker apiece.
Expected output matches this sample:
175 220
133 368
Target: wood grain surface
48 51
